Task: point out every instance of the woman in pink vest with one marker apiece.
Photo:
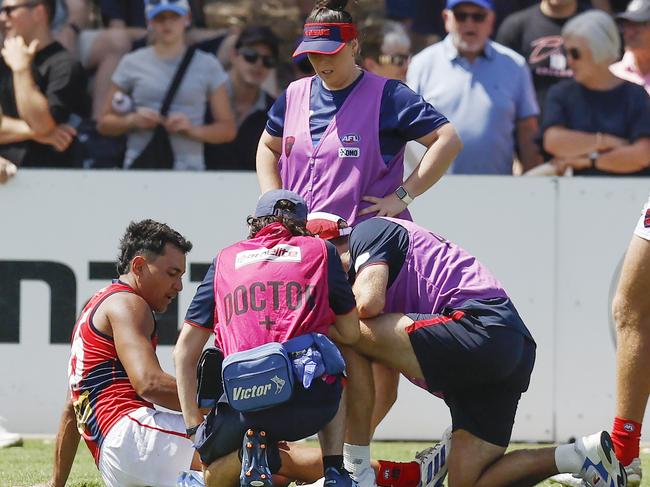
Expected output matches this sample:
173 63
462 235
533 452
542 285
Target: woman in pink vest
280 285
345 153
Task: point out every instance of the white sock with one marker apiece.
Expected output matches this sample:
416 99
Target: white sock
567 459
356 458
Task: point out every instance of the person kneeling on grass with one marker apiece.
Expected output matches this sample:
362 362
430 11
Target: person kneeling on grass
433 312
272 299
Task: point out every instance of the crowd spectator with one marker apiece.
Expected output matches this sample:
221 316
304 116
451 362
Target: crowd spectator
503 8
145 74
41 86
535 33
338 138
635 24
596 123
422 18
385 48
7 171
483 88
255 55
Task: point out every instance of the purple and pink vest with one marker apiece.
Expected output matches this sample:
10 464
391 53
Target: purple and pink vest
270 288
437 274
347 163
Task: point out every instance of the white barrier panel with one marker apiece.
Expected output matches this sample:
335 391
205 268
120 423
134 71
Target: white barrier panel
554 244
595 221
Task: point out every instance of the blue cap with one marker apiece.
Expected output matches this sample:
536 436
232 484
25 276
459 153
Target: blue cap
325 37
155 7
480 3
267 202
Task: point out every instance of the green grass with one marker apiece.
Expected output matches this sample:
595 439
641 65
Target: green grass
32 463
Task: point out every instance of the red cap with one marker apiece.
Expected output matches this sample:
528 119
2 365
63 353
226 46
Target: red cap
327 225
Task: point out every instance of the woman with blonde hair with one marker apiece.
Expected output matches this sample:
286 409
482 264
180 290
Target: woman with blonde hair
596 123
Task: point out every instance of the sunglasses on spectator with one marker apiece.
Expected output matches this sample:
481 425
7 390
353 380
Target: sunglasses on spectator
396 59
574 53
158 2
251 56
477 17
9 9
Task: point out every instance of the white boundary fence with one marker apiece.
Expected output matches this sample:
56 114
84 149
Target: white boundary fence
555 244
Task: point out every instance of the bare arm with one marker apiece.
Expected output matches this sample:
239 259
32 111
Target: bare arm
14 130
32 105
132 325
67 441
114 124
186 357
269 150
529 154
346 328
78 16
223 129
626 159
370 290
443 144
563 142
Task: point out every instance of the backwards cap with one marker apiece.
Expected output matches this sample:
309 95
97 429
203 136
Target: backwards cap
266 205
327 225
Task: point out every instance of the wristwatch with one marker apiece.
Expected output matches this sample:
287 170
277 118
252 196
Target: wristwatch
402 194
192 431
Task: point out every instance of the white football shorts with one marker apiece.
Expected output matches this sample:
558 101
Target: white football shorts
145 448
643 226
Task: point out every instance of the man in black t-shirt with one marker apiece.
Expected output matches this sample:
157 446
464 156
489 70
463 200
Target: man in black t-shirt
41 86
255 54
535 33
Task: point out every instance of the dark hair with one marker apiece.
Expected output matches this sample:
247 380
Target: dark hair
258 34
148 237
296 227
50 8
371 36
330 11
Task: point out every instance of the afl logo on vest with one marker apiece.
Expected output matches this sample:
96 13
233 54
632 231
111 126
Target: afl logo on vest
347 140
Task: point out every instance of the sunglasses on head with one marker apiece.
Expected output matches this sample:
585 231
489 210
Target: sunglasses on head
251 56
573 53
396 59
8 9
477 17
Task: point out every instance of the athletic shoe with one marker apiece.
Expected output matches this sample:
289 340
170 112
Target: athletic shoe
8 439
433 462
634 473
338 478
255 470
365 478
568 480
600 467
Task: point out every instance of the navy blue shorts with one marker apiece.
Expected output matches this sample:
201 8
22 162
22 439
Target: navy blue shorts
305 414
480 355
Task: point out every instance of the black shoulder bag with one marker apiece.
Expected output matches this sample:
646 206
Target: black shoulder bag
158 153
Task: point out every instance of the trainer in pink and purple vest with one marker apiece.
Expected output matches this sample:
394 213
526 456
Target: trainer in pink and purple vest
437 274
270 288
347 163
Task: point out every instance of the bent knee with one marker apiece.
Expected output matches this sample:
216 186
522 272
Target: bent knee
630 316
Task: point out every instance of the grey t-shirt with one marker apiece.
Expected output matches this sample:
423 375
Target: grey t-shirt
145 77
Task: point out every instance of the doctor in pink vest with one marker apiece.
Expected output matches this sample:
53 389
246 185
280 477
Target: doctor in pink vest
338 138
279 284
